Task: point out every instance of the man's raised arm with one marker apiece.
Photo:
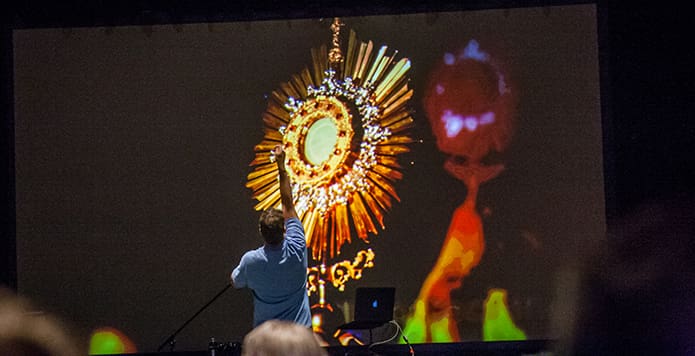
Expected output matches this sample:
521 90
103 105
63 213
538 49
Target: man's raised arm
285 188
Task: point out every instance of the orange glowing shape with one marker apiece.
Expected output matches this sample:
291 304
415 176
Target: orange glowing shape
432 319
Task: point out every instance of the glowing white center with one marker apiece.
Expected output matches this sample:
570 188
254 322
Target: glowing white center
320 141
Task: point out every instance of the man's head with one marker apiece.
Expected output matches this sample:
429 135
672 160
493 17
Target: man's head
271 225
281 337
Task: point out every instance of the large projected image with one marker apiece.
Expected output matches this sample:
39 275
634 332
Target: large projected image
454 156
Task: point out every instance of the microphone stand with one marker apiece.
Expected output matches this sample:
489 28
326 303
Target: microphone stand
171 339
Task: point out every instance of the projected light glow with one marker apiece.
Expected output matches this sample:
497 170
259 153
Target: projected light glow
497 323
454 123
108 341
470 104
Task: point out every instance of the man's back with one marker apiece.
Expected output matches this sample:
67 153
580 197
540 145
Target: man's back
277 277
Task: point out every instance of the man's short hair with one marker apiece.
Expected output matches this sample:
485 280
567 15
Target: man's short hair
271 225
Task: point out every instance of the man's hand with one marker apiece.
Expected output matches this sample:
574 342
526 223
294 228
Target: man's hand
285 189
279 154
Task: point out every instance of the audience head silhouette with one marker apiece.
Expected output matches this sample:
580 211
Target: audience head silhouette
279 337
636 294
26 332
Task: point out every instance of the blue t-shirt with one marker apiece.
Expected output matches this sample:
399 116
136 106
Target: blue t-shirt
277 278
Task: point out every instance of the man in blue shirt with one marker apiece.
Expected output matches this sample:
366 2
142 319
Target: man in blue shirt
276 272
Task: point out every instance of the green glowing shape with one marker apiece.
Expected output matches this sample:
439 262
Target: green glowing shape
105 343
415 326
440 331
320 140
497 323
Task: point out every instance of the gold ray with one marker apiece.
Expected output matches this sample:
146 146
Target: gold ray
363 59
263 170
397 100
273 135
269 201
381 197
319 237
277 99
278 112
363 222
260 182
388 172
320 59
389 161
401 125
390 99
391 149
398 107
265 146
377 66
351 53
338 239
260 158
398 127
374 207
384 184
393 140
396 73
359 50
269 191
298 85
397 82
342 224
328 246
393 117
273 121
306 80
310 228
289 90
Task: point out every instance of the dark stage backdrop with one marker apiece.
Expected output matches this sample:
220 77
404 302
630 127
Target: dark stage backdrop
133 145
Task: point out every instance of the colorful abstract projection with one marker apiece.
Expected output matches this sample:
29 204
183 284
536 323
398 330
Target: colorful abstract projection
342 124
470 107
